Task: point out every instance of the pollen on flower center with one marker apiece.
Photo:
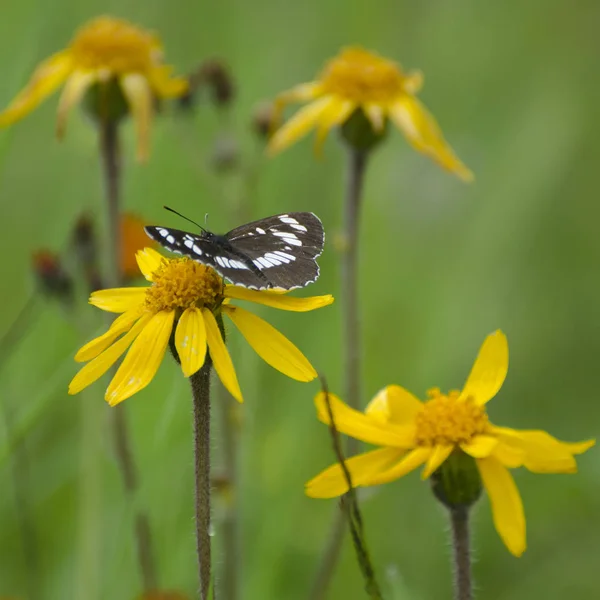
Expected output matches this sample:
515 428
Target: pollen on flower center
183 283
361 76
448 420
115 46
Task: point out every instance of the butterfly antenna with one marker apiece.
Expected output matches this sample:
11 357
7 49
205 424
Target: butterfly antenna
184 217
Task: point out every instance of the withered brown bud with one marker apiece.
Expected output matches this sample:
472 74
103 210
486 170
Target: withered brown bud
226 153
51 277
264 119
85 249
218 77
214 75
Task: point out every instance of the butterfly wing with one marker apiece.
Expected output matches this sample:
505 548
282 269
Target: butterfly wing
283 247
212 251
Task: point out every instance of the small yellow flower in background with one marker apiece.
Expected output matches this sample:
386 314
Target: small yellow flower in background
360 80
133 239
184 297
415 433
103 50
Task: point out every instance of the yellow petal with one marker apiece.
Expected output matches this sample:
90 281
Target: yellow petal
376 116
143 359
413 82
46 78
301 93
76 86
332 482
277 299
507 507
438 455
358 425
299 125
410 462
274 348
120 325
149 260
480 446
509 456
542 453
97 367
139 96
118 300
424 134
166 86
337 113
394 404
190 340
489 371
220 356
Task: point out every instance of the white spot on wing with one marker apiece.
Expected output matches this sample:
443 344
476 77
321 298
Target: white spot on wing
298 227
276 260
170 239
197 250
286 219
188 243
260 230
285 234
289 257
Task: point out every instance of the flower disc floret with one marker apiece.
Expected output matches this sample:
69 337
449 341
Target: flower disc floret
183 283
116 46
362 77
448 420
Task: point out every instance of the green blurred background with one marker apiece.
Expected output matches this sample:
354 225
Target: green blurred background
514 87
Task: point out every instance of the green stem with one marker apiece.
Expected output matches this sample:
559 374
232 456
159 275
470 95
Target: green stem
200 383
110 154
463 584
351 308
20 473
352 369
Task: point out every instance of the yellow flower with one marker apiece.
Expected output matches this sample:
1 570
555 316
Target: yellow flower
103 50
413 433
357 79
185 298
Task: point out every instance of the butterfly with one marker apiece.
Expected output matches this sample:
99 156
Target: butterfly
274 252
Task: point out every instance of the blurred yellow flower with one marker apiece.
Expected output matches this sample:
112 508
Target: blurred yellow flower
133 239
360 80
185 298
103 50
413 433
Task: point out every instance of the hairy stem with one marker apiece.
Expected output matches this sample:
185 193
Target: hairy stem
110 154
200 383
357 162
463 584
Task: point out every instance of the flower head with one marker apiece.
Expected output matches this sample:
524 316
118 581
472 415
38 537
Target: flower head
104 50
185 299
412 433
358 80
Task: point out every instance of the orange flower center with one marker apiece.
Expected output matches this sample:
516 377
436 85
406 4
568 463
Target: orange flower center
183 283
114 47
361 76
448 420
